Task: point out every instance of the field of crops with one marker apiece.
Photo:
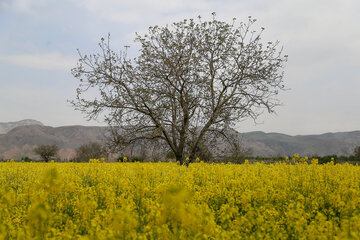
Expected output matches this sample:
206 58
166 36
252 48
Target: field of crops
168 201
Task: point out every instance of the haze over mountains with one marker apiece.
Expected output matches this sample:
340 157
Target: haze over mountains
18 139
272 144
7 126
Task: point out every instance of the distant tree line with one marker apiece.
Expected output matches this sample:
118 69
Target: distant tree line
238 154
355 157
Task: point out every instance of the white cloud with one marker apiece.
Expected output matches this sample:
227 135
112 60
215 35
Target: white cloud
141 11
3 4
23 5
47 61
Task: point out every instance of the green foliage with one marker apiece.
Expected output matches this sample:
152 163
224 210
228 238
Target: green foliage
131 159
272 159
26 159
329 158
137 159
321 159
335 159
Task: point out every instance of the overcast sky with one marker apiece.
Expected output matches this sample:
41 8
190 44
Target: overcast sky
39 38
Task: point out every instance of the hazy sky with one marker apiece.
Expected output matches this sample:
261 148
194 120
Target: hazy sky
39 38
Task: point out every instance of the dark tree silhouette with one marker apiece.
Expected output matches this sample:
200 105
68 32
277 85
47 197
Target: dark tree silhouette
92 150
46 152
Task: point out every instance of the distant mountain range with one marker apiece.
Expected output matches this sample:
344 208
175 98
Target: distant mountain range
6 127
273 144
20 141
20 138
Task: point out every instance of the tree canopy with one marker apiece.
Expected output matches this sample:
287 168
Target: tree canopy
46 152
91 150
192 80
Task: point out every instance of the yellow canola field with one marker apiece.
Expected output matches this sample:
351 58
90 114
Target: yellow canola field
168 201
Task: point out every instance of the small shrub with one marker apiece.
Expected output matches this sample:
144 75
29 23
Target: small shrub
26 159
327 159
136 159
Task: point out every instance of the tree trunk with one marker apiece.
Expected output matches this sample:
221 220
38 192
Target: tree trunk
191 157
179 158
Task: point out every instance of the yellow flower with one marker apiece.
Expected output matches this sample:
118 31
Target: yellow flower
168 201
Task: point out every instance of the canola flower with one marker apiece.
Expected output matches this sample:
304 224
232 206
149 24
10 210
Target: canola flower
100 200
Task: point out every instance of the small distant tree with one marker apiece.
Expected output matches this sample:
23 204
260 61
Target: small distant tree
46 152
357 153
92 150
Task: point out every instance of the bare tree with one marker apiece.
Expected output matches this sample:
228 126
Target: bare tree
46 151
190 80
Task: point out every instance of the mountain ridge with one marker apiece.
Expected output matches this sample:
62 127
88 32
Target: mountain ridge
5 127
21 140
